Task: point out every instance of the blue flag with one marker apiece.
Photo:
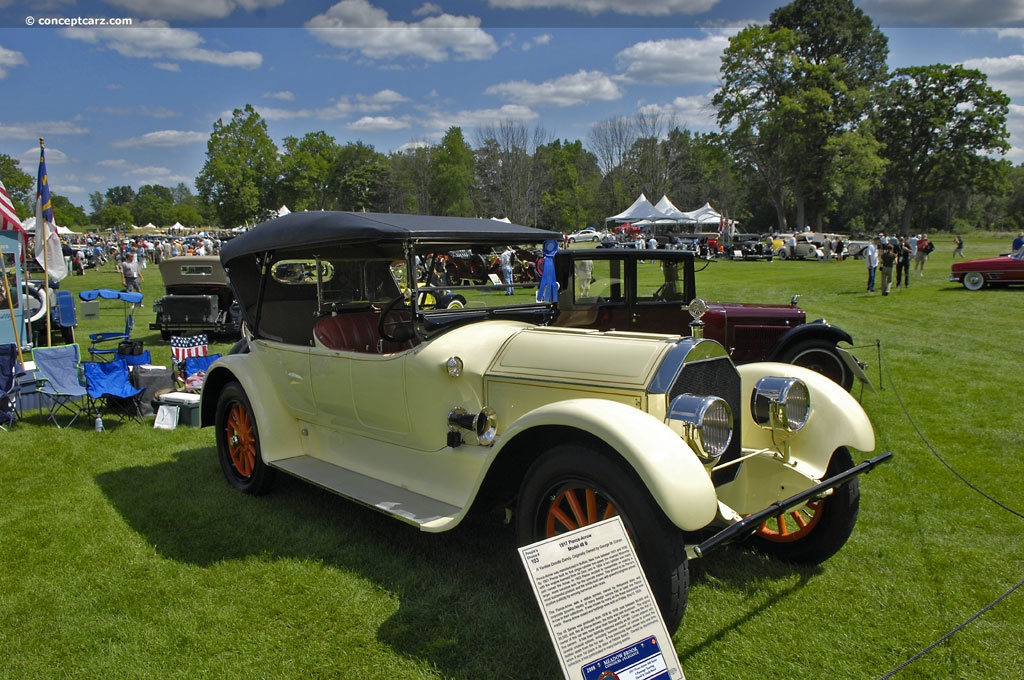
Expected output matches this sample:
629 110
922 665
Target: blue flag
45 207
46 229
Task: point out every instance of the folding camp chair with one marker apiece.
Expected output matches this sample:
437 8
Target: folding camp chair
195 370
104 346
184 347
10 369
61 384
109 385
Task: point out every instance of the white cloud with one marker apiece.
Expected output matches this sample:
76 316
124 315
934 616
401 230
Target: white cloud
283 95
145 110
358 25
577 88
592 7
156 40
42 128
341 108
191 9
694 112
427 9
671 62
9 59
468 118
1004 73
162 138
954 14
165 66
378 124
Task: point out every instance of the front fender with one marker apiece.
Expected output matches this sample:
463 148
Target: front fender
837 419
815 330
667 466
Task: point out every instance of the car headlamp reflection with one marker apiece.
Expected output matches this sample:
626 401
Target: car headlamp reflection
707 423
780 403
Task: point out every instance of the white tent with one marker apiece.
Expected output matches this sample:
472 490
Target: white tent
177 226
642 209
666 206
283 210
149 225
29 225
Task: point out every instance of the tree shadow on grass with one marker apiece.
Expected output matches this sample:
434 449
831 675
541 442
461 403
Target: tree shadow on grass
465 603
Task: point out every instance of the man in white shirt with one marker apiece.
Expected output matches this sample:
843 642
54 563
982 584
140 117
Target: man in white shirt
871 258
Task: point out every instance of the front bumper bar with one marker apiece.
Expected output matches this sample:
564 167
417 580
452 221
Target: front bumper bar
751 522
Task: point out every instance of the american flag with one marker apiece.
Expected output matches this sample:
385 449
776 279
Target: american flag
183 347
8 217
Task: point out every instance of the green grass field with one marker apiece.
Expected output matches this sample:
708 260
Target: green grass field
125 554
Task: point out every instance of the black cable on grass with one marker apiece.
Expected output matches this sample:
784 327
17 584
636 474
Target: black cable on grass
951 633
935 453
963 479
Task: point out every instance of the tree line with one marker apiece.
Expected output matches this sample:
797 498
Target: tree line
813 129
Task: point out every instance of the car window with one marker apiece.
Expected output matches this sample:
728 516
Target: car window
598 280
659 281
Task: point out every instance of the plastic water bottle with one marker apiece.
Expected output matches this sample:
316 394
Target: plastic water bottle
99 423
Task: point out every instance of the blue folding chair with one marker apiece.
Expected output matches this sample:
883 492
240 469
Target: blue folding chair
109 385
61 384
10 369
103 346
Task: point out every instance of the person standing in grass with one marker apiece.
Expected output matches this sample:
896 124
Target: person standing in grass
871 258
130 274
903 262
958 247
888 258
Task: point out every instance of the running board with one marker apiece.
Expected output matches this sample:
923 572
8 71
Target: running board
406 505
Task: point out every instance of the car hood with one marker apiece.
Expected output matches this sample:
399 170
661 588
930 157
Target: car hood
1001 261
583 357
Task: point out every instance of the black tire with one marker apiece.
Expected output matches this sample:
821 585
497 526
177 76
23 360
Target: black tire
829 522
576 469
821 356
238 443
974 281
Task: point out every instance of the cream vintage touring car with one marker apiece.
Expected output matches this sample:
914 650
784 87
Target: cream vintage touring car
351 377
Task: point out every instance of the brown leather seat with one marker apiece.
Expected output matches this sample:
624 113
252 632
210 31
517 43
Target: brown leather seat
357 332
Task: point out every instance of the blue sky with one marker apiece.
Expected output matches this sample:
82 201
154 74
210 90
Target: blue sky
120 105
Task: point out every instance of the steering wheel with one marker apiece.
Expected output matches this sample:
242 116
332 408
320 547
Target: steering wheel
400 327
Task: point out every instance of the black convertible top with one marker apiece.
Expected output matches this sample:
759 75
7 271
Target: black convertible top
315 228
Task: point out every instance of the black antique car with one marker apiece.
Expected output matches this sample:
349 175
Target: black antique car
198 299
749 247
651 291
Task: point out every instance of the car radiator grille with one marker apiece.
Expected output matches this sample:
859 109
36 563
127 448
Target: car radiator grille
717 377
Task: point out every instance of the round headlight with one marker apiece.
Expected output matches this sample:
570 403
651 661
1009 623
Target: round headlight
780 403
707 423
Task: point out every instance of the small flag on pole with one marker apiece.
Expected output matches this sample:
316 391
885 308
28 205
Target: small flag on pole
46 229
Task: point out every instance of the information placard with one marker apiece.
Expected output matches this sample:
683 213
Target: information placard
598 607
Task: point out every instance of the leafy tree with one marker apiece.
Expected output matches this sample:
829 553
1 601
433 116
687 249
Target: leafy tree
20 185
121 195
940 126
359 177
451 180
186 213
97 201
67 213
307 165
757 70
153 203
409 190
568 202
508 179
116 216
241 169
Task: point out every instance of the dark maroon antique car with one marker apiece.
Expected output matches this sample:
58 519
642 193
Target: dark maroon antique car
993 271
652 292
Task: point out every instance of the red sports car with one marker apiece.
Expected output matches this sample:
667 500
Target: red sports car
1003 270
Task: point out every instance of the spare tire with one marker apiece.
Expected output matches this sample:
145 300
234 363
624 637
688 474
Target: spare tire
34 299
